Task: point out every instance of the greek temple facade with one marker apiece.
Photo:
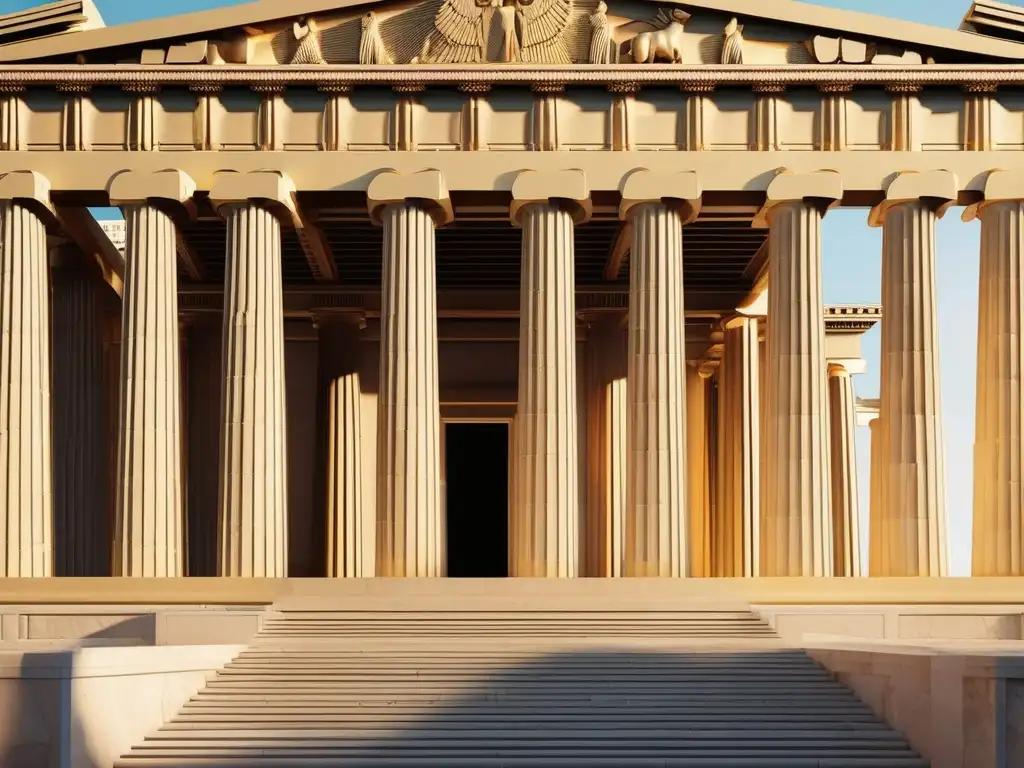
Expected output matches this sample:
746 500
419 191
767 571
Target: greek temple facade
529 289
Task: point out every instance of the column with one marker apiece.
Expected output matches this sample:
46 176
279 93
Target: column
796 537
913 531
606 433
740 513
876 515
149 524
82 533
697 472
26 512
339 366
410 532
657 206
253 502
998 548
544 535
843 454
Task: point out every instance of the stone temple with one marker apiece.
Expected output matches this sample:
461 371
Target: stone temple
458 389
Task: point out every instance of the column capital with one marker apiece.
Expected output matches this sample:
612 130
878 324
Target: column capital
821 189
159 188
31 189
426 188
938 189
569 187
837 369
272 190
1000 187
681 191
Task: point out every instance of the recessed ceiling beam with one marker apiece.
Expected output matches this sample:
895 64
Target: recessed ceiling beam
190 259
314 245
79 225
617 254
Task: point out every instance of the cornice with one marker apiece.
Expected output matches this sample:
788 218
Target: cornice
687 77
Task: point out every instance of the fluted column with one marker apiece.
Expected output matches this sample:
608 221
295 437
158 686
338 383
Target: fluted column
149 521
843 453
82 533
656 498
697 473
656 536
796 538
740 514
545 537
998 546
253 503
876 517
606 432
346 527
914 528
26 503
410 532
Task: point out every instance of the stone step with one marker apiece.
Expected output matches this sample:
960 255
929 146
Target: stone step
441 732
568 761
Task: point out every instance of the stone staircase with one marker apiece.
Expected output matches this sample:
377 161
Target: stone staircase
681 687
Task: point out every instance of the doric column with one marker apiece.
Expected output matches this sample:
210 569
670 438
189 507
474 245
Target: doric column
876 516
740 513
410 533
697 472
545 524
914 527
347 528
26 503
149 524
998 493
843 453
82 533
796 535
253 500
606 367
657 206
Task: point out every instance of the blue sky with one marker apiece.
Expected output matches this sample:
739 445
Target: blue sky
852 273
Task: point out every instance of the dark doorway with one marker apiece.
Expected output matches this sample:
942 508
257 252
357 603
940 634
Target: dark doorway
476 475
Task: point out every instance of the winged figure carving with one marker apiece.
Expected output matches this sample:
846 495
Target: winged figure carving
531 31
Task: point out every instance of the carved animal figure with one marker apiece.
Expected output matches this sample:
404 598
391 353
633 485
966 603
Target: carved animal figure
308 51
600 36
664 44
532 31
371 46
732 47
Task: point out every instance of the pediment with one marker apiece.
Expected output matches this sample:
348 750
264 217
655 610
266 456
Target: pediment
479 32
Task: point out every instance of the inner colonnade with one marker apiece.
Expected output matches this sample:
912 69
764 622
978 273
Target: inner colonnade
629 455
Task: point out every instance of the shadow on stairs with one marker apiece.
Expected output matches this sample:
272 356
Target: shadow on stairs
680 687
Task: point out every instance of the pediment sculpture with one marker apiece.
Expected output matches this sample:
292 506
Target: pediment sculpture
530 31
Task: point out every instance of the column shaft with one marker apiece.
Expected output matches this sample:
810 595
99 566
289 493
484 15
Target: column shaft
409 522
876 518
346 526
253 531
697 473
148 536
914 526
26 503
843 452
606 458
797 524
82 532
545 530
656 496
740 514
998 493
